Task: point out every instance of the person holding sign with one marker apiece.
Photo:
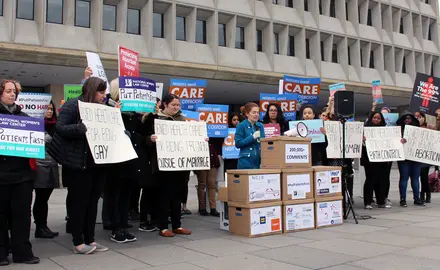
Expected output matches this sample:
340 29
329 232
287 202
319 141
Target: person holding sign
319 153
425 193
247 138
274 115
16 186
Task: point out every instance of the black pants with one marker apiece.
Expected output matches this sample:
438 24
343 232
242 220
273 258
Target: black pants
134 194
170 189
375 182
149 204
16 201
230 164
424 175
116 201
83 194
184 193
41 206
387 179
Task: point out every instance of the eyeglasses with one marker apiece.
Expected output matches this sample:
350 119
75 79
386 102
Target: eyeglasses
272 110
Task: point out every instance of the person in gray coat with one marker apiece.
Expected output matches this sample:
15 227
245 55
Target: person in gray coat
47 179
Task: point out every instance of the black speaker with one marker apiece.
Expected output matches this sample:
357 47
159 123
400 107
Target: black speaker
344 104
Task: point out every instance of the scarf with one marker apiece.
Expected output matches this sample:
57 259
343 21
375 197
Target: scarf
49 125
10 108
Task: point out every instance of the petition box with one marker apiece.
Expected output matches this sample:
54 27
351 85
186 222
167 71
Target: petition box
328 181
299 216
224 215
328 211
222 194
254 186
297 184
286 152
255 220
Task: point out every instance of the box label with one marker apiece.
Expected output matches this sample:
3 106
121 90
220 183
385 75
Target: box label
298 185
328 182
264 187
265 220
329 213
301 216
297 153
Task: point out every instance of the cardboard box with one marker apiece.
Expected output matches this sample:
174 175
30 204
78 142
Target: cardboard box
328 181
255 220
297 184
222 194
254 186
298 215
286 152
224 216
328 212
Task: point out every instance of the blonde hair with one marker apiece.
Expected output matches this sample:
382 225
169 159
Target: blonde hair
114 89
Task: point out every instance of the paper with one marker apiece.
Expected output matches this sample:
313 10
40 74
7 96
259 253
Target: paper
353 139
297 153
328 182
34 104
265 220
264 187
328 213
298 185
423 145
313 127
383 144
300 216
94 62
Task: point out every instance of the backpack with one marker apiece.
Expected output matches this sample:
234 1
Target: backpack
434 181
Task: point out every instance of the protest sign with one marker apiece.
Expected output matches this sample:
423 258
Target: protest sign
128 62
383 144
34 104
391 118
191 116
181 146
190 92
333 130
287 102
94 62
377 92
272 130
137 94
229 151
425 96
353 139
22 136
72 91
216 118
106 136
422 145
159 90
314 128
333 88
308 89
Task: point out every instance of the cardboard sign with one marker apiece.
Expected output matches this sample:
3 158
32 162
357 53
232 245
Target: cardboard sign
190 92
422 145
377 92
314 129
333 88
298 185
328 213
34 104
137 94
128 62
308 89
391 118
272 130
383 144
106 136
425 96
229 151
328 182
265 220
191 116
181 146
287 102
353 139
297 153
264 187
299 216
94 62
216 118
72 91
22 136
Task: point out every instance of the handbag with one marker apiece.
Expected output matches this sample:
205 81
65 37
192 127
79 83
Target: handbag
434 181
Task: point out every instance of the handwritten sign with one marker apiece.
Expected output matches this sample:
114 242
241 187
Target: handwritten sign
94 62
287 102
34 104
159 90
391 118
216 118
314 128
333 88
128 62
229 151
422 145
21 136
308 89
190 92
72 91
272 130
181 146
191 116
106 136
383 144
377 92
333 130
137 94
353 139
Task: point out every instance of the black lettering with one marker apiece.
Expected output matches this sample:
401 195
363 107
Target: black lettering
100 152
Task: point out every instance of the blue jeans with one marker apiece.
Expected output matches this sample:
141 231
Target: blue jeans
409 169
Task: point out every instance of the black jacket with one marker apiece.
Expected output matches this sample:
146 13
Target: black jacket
365 161
14 170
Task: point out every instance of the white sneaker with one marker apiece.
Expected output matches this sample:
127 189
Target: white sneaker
368 207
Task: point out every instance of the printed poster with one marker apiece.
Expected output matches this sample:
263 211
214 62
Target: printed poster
191 116
422 145
383 144
272 130
313 127
425 96
34 104
308 89
333 88
329 213
72 91
216 118
287 102
190 92
229 151
297 153
265 220
137 94
128 63
328 182
264 187
22 137
94 62
377 92
298 185
300 216
391 118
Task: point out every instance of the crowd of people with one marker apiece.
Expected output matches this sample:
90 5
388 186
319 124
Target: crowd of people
137 189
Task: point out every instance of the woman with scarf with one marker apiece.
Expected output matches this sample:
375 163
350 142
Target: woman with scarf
47 178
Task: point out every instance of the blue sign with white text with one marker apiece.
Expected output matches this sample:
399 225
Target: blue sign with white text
216 118
190 92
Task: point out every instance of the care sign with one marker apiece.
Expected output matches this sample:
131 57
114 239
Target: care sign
265 220
353 139
264 187
191 116
128 61
137 94
298 185
297 153
308 89
106 133
34 104
229 151
328 182
426 94
287 103
216 118
190 92
21 136
94 62
181 146
422 145
328 213
383 144
299 217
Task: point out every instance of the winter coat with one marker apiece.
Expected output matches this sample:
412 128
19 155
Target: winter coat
250 148
47 173
365 161
401 121
215 150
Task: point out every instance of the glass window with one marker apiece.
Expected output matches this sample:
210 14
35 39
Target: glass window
134 21
259 40
335 53
291 51
54 13
276 44
332 9
201 31
25 9
371 59
109 17
307 48
82 13
289 3
180 28
222 34
1 7
239 37
158 25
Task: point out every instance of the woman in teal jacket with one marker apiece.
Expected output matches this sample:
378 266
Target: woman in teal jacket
247 138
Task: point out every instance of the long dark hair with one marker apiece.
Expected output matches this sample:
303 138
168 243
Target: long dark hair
369 122
232 115
167 100
280 117
91 86
54 108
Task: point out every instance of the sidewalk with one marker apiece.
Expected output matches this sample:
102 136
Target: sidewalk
396 238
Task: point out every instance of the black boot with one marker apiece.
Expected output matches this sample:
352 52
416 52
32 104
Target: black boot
214 213
41 232
51 232
422 196
428 197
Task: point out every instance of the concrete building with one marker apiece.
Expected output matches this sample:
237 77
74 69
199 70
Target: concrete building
241 46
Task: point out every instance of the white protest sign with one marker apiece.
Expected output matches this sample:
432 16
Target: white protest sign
94 62
34 104
181 145
383 144
159 90
353 139
106 133
422 145
333 131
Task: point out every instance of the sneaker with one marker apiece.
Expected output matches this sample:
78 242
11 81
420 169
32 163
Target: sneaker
203 212
86 250
129 237
388 202
403 203
30 260
99 247
368 207
419 203
119 237
387 206
134 216
186 212
214 213
148 227
4 261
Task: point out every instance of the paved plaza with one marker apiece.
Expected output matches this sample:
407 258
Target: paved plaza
394 238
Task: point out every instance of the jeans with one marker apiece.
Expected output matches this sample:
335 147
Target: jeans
409 169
